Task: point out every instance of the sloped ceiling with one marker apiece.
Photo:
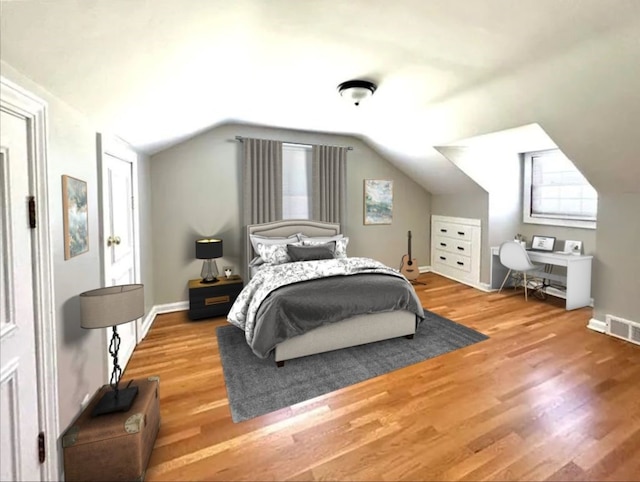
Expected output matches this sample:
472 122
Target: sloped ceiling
158 72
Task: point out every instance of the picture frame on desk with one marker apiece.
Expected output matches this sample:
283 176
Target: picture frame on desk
573 247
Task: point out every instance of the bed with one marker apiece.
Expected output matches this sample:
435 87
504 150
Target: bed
311 319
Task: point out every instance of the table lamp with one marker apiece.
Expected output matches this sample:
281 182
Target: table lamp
208 249
106 307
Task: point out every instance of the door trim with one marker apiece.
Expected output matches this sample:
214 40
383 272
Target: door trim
19 101
108 144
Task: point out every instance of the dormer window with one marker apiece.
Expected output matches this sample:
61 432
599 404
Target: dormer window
556 192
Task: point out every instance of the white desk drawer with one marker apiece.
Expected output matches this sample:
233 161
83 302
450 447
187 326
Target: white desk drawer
456 246
453 230
452 260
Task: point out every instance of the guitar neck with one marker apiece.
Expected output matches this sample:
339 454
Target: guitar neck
409 245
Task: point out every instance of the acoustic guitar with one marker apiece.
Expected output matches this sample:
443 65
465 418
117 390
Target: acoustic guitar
409 265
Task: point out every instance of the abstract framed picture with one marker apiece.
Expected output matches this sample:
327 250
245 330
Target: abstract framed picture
75 216
378 201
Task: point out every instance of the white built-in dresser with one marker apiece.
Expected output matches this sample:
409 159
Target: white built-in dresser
456 248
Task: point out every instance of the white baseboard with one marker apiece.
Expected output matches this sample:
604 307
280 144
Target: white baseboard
424 269
486 287
171 307
597 325
156 310
147 321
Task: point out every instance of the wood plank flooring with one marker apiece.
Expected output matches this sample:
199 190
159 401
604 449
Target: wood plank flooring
543 399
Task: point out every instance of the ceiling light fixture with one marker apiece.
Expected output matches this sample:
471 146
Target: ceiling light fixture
357 90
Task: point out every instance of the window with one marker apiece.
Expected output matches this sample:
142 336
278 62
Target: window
296 181
556 193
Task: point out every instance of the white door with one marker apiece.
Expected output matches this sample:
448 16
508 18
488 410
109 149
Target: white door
119 240
18 378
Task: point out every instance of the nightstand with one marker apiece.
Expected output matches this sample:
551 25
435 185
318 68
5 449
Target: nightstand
207 300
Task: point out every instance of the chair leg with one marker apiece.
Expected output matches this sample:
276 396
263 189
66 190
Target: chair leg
504 281
525 286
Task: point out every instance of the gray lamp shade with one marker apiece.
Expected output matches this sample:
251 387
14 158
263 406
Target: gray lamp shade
208 248
111 306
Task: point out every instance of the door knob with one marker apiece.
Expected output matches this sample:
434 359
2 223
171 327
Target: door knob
111 240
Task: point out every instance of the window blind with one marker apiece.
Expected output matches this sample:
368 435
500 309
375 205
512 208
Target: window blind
559 190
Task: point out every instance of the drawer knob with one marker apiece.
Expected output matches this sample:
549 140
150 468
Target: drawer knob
460 248
443 258
461 233
443 230
460 263
443 244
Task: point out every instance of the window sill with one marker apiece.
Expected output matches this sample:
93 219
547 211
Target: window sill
567 223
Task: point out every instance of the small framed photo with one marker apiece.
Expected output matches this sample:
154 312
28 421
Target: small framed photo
75 216
378 201
573 247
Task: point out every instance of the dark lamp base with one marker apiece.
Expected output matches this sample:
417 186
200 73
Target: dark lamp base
207 282
110 403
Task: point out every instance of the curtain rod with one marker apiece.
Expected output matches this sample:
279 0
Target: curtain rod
349 148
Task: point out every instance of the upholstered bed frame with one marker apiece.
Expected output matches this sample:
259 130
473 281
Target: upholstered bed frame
354 331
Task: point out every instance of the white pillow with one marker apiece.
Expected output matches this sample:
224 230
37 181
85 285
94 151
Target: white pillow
266 240
341 244
275 253
324 239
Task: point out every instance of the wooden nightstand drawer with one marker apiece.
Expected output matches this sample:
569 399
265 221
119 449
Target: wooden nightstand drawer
207 300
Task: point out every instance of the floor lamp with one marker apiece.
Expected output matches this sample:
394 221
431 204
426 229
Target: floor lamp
106 307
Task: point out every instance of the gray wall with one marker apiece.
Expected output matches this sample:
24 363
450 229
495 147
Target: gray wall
81 354
617 261
197 191
146 239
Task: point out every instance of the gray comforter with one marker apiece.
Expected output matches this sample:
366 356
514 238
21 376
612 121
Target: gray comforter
288 300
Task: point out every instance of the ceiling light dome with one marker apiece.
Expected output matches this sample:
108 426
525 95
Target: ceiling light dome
357 90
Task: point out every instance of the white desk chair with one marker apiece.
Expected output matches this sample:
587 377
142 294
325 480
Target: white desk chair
514 256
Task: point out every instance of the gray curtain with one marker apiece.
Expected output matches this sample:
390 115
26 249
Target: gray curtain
262 173
329 184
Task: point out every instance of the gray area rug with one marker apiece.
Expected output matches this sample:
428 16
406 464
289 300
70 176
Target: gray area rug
256 386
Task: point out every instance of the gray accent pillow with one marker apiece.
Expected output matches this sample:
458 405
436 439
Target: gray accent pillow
311 253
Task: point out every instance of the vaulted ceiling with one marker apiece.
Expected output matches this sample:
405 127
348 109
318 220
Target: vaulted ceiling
158 72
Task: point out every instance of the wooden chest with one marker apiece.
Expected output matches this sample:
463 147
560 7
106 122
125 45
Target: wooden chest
115 446
215 299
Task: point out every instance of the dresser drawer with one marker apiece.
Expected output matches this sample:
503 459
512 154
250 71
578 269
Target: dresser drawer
209 300
457 246
453 230
452 260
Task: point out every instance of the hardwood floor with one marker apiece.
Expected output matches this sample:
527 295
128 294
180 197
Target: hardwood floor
543 399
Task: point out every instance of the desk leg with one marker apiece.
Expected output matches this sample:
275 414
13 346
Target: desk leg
578 284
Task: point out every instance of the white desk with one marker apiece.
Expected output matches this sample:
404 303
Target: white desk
578 279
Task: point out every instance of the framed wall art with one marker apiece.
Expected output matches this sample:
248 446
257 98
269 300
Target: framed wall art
378 201
76 216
